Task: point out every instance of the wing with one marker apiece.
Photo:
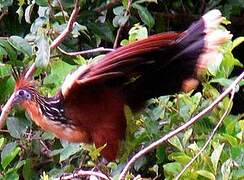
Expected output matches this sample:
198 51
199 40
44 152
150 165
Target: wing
188 53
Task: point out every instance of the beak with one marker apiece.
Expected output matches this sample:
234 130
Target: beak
16 99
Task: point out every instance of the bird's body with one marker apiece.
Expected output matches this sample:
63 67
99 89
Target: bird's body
89 107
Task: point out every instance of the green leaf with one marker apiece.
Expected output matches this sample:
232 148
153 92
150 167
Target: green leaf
175 141
187 136
180 157
145 15
5 3
17 127
9 49
104 31
206 174
215 156
119 11
9 152
172 169
21 45
59 71
226 169
27 170
68 150
43 52
42 2
237 42
1 142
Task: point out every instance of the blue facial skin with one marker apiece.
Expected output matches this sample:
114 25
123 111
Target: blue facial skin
21 95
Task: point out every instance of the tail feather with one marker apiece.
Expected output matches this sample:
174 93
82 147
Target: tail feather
186 59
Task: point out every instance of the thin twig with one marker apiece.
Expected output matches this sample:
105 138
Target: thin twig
3 14
62 9
82 173
100 49
210 137
120 28
181 128
107 6
6 110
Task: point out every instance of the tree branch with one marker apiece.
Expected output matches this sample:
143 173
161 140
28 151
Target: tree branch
181 128
210 137
120 28
69 27
82 173
107 6
100 49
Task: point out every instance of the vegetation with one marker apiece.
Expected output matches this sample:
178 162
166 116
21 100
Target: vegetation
27 29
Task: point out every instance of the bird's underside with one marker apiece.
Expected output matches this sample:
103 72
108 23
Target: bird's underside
90 105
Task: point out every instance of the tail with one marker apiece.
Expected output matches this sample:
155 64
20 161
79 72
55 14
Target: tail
178 65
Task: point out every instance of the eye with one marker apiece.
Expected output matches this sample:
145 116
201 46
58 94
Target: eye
21 93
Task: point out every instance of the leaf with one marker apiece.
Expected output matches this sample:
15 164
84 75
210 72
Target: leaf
187 136
9 152
206 174
28 12
1 142
145 15
43 52
172 168
215 156
9 49
27 170
20 44
237 42
5 3
104 31
226 169
180 157
17 127
20 12
68 150
42 2
119 11
175 141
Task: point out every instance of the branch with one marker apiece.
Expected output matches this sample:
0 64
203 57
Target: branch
181 128
100 49
8 106
69 27
210 137
82 173
120 28
107 6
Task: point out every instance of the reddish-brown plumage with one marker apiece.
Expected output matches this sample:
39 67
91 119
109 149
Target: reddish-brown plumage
99 111
90 105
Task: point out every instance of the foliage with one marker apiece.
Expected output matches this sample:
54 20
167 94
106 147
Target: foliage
27 152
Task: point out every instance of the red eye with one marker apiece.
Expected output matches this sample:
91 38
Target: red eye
21 92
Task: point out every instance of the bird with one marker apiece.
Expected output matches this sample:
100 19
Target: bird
89 106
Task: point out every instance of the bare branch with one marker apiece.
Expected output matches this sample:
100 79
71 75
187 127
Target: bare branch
62 9
107 6
6 110
120 28
4 13
100 49
210 137
82 173
181 128
69 27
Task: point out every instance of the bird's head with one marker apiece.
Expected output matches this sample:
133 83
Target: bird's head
24 91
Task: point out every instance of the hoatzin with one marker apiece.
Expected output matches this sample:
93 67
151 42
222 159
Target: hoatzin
89 107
